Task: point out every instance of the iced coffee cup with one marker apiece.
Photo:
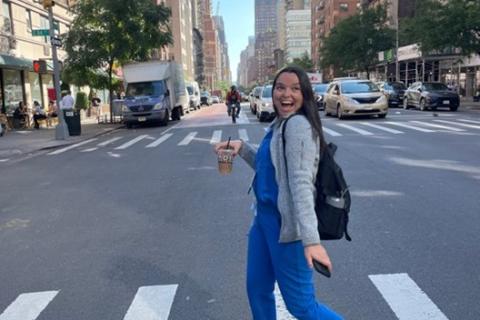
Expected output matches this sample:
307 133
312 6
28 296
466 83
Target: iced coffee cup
225 159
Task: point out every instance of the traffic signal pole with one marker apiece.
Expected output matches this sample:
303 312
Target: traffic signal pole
61 130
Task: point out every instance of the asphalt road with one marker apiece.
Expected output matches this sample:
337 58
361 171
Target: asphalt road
140 221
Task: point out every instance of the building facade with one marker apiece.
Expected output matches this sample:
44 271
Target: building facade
19 48
298 35
265 38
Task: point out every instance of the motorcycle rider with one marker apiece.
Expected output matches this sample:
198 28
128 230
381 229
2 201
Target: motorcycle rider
233 97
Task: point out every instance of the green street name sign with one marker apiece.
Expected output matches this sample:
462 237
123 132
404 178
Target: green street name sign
40 32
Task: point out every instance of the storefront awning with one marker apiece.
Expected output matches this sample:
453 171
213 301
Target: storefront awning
15 62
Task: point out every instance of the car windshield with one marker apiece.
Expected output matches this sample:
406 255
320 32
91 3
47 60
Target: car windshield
151 88
394 86
359 87
267 92
190 89
320 88
435 87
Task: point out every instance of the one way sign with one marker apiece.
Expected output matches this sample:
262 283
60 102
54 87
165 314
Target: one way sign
56 42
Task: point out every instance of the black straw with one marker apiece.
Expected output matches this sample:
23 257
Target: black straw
228 143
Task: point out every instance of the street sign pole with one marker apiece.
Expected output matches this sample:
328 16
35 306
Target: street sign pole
61 130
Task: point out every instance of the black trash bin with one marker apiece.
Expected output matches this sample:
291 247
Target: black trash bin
72 119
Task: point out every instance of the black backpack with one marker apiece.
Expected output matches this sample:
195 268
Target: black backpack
332 203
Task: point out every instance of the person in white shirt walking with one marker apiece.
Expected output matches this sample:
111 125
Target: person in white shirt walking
67 102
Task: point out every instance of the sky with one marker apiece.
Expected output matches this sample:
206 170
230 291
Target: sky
239 20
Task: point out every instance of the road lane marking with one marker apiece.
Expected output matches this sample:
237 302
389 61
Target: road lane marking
405 298
131 142
331 132
361 131
188 138
433 125
89 149
243 134
216 136
105 143
28 306
381 128
159 140
471 121
73 146
459 124
404 125
152 303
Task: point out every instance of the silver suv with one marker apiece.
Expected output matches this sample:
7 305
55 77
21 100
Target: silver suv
355 98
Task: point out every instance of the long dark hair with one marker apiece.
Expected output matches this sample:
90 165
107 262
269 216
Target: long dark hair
309 107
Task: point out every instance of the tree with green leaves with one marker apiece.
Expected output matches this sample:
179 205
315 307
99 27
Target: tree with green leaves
305 62
105 33
353 44
440 25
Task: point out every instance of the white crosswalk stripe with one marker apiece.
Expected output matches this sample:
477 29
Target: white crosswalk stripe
131 142
216 136
73 146
109 141
358 130
152 303
381 128
459 124
405 298
28 306
433 125
404 125
188 139
332 132
242 133
471 121
159 140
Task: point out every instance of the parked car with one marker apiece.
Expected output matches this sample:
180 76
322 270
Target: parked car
355 98
319 89
264 107
394 91
194 93
205 99
430 95
215 99
254 97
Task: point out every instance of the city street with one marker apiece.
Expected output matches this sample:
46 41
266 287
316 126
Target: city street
138 224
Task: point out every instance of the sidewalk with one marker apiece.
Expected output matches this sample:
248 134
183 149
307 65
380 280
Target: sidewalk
20 142
468 104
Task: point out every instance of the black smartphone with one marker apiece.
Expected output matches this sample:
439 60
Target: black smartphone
321 268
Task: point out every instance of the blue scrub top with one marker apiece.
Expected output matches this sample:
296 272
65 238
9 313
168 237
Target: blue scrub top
265 185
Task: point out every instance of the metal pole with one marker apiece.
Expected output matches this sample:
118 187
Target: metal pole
61 130
397 66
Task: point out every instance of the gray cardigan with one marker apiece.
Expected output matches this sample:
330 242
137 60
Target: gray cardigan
296 193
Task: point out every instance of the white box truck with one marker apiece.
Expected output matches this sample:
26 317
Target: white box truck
155 91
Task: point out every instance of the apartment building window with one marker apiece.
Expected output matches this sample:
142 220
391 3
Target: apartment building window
28 20
44 24
344 7
7 18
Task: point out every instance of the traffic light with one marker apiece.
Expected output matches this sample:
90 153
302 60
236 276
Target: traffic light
40 66
48 3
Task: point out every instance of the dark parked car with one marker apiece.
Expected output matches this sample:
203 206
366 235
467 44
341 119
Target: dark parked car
394 91
430 95
319 89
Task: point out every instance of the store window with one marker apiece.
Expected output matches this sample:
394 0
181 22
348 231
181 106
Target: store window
35 88
13 88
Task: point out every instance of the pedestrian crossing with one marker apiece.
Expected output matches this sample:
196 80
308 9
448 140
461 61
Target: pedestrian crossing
333 129
398 291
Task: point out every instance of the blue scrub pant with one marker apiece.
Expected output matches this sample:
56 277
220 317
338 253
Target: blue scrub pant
269 260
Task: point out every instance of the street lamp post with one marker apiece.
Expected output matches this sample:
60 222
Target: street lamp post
61 130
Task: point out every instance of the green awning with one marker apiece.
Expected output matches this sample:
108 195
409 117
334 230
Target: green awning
15 62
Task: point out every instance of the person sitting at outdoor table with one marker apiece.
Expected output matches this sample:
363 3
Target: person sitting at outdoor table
38 114
21 114
52 109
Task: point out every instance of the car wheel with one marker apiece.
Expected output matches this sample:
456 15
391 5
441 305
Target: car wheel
381 116
176 113
453 108
164 121
405 103
339 112
129 125
422 105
